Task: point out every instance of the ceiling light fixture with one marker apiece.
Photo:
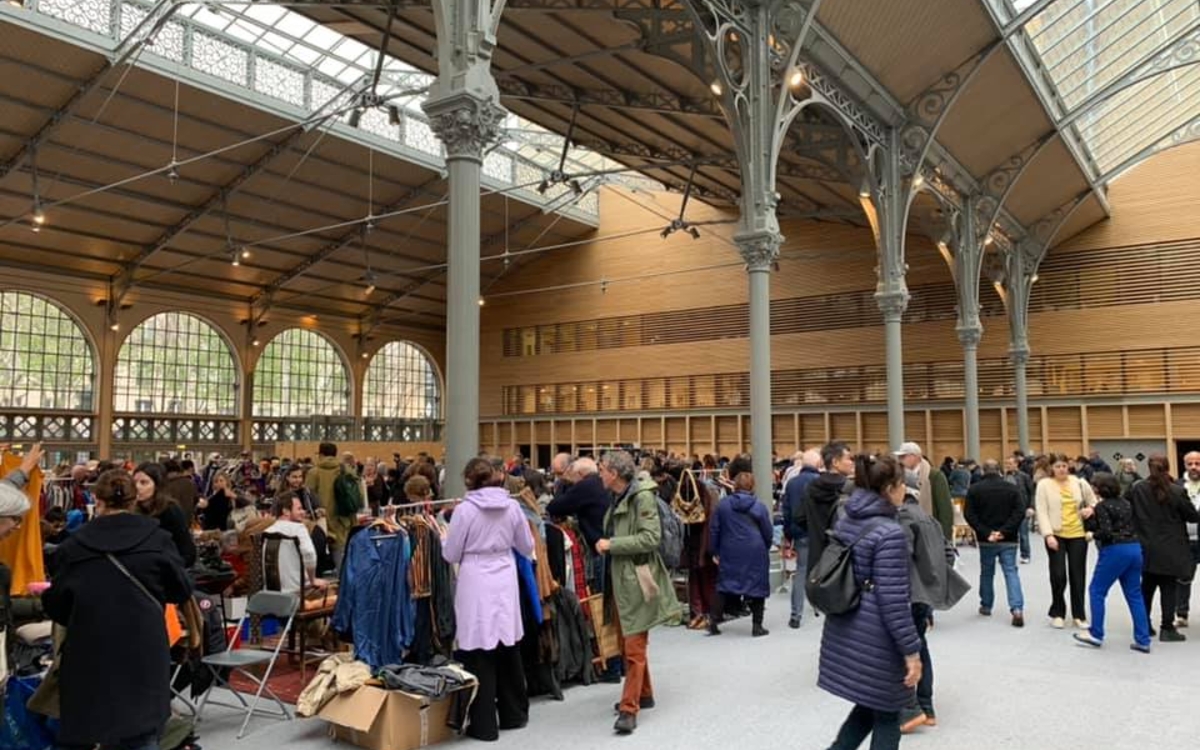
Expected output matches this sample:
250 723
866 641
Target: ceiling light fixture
987 241
918 182
355 117
245 253
393 114
173 173
481 301
254 341
370 278
114 326
1033 279
864 190
38 217
716 88
797 78
235 258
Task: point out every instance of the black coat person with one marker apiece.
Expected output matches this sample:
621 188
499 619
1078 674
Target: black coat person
115 662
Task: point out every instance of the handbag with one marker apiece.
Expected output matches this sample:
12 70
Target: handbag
689 511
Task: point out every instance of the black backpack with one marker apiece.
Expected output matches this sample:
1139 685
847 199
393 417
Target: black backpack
832 586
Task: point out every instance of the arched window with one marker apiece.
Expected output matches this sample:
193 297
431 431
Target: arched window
300 374
46 361
401 383
176 363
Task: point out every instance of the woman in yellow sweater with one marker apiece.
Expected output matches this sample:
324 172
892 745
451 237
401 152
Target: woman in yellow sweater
1060 498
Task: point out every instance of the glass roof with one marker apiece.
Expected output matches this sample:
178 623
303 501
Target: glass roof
1088 50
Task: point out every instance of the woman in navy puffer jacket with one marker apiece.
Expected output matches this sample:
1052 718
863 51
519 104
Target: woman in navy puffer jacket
871 655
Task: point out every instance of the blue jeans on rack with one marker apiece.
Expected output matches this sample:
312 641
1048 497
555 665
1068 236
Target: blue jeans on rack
987 574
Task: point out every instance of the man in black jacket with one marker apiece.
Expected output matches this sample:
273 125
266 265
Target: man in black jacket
994 510
587 500
1028 490
824 493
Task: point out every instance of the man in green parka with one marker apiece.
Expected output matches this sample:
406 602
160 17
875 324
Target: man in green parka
637 584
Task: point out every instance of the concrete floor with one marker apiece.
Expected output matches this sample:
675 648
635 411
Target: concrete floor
996 687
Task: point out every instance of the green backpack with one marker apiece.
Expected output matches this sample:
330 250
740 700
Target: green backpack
347 494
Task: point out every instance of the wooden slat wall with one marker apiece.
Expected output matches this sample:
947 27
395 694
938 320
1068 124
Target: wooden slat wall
1100 327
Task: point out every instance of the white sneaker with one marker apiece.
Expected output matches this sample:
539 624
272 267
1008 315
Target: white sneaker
1057 622
1081 624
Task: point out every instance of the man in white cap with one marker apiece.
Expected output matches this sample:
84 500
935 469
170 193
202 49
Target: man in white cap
933 491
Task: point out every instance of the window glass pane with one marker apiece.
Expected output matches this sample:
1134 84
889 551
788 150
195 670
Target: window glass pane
45 360
401 383
176 363
300 374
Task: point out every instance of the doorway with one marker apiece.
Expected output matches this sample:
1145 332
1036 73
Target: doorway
1182 448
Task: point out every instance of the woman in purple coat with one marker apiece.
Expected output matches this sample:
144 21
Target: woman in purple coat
486 528
871 656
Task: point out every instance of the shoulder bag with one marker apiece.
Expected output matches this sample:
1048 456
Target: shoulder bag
689 511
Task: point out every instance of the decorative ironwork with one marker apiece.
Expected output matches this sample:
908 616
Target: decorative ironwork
866 123
173 430
312 429
49 428
93 15
465 124
280 81
219 58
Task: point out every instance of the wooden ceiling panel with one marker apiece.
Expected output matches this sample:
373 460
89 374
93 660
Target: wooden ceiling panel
68 265
22 118
34 85
1049 182
996 117
895 39
66 59
1089 213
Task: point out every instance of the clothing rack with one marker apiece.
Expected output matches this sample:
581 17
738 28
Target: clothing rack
430 503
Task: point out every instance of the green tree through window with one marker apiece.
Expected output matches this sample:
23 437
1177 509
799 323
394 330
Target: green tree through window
46 361
300 374
401 383
176 363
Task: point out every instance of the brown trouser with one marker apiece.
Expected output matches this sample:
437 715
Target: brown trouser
637 670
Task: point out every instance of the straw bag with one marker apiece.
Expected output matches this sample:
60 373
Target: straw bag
689 511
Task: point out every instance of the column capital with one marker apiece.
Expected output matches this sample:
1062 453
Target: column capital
1019 354
970 334
759 249
465 123
892 303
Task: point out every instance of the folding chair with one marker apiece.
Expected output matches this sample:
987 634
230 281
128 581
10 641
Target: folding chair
263 604
272 544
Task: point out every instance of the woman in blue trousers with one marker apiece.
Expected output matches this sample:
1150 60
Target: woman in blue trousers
1111 523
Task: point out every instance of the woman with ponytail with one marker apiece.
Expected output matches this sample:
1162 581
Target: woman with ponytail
1161 510
871 656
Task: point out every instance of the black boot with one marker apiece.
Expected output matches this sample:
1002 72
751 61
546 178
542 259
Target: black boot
756 614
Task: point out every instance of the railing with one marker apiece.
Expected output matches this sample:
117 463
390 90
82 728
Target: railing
174 430
55 428
333 429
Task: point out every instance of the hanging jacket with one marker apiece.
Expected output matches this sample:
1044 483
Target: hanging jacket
932 576
374 605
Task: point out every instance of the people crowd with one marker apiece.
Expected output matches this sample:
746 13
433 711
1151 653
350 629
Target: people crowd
898 515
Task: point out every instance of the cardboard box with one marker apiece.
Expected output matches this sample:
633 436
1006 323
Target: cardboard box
379 719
